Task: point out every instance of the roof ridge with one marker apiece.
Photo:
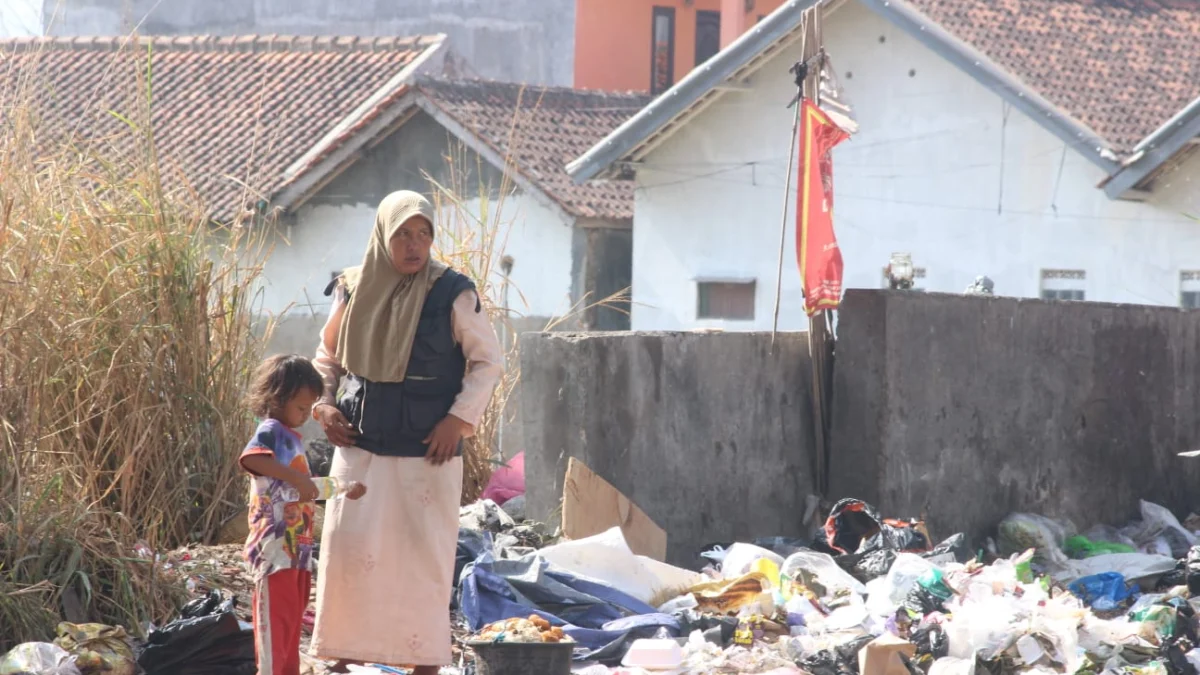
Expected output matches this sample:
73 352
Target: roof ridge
436 80
230 43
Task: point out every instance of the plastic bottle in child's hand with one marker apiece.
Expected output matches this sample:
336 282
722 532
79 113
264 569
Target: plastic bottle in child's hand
327 488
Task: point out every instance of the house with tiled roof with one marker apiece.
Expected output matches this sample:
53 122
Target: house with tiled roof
314 132
1047 144
565 245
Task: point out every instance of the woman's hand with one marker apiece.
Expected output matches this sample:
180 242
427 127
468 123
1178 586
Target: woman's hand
357 491
337 429
443 440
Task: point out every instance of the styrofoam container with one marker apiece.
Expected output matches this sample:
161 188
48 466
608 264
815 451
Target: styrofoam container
654 655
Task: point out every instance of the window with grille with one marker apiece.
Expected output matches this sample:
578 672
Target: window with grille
662 50
1189 290
1069 285
729 300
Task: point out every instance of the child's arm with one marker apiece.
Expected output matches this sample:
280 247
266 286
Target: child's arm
263 464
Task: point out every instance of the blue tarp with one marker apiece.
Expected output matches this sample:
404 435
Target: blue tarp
600 619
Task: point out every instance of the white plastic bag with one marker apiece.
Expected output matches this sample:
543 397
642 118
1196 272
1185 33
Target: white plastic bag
740 558
39 658
806 567
606 558
904 574
1132 566
948 665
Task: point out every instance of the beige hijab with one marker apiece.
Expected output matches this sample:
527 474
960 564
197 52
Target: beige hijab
377 331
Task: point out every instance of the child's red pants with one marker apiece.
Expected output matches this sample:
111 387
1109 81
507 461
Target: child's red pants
280 599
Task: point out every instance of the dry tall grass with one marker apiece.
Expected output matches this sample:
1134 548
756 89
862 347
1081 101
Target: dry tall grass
125 348
472 238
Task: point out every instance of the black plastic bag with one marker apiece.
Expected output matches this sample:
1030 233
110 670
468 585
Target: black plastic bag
922 602
207 639
930 639
956 545
869 565
854 526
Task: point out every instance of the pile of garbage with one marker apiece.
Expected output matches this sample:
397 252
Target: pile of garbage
868 596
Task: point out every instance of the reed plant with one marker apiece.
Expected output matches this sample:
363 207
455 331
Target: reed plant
126 344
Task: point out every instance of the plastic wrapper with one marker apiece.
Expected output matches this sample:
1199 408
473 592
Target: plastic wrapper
38 658
97 648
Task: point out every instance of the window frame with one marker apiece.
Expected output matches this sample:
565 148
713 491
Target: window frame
701 290
1189 287
668 14
1058 291
708 14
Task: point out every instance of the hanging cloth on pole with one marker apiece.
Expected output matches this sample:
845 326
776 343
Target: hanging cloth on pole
816 246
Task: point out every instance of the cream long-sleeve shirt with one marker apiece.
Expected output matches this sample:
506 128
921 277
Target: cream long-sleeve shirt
473 331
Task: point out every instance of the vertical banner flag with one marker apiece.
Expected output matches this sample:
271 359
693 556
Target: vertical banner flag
816 247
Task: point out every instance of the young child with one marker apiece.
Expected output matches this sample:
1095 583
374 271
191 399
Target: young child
279 548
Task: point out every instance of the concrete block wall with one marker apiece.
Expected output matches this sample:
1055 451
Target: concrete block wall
710 434
970 408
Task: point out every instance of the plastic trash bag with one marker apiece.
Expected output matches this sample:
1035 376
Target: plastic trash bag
1020 532
1080 547
819 573
948 665
507 481
740 560
38 658
854 526
1132 566
207 639
97 648
1104 592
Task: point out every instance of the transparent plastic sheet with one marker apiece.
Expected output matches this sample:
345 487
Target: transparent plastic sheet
820 574
38 658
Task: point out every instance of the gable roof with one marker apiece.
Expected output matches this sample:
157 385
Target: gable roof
532 131
1117 80
227 112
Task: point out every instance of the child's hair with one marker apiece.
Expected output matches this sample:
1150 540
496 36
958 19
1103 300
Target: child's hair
278 379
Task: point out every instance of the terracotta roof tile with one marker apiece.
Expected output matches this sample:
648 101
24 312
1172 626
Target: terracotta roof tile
225 111
1121 67
546 127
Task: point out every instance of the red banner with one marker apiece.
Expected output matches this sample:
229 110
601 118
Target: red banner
816 247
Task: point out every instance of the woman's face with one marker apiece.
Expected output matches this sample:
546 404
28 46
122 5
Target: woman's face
409 246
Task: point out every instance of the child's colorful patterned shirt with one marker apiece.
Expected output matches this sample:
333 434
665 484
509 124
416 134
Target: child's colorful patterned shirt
281 528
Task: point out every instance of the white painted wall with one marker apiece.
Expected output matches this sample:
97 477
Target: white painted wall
925 175
326 239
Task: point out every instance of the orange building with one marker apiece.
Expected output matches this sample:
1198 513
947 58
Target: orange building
648 45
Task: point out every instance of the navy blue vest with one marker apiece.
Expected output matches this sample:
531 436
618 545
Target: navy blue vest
394 418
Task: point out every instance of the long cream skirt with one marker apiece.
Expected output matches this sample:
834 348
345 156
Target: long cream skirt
387 562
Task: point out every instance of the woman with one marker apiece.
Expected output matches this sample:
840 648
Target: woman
416 359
